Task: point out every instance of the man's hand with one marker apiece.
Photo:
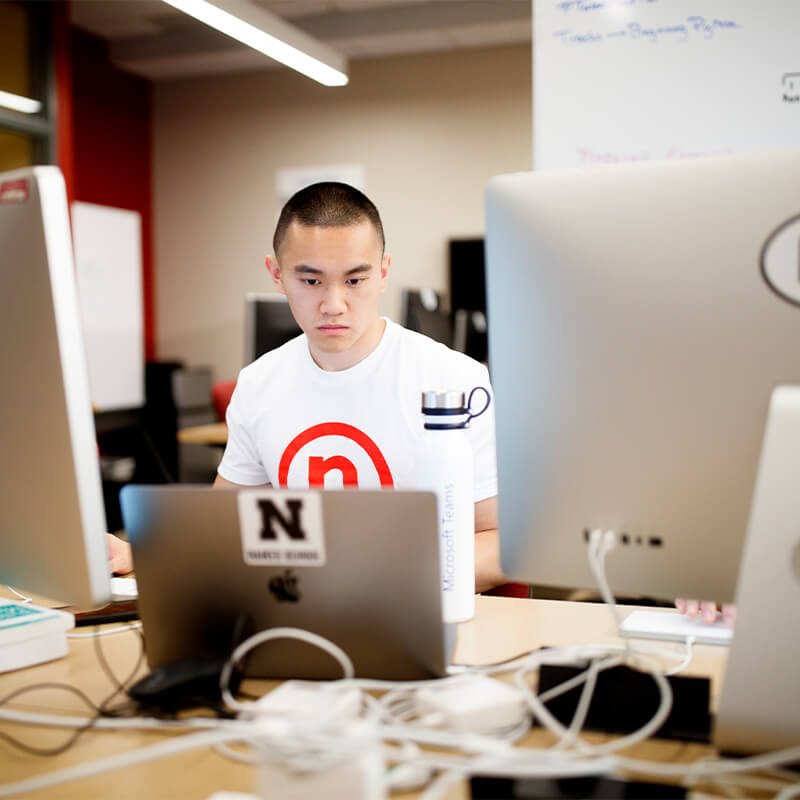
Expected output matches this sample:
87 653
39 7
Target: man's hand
707 610
120 557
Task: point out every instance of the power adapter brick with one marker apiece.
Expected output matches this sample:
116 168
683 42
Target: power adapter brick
474 703
297 699
291 745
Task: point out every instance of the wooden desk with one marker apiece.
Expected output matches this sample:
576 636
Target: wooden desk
215 433
503 627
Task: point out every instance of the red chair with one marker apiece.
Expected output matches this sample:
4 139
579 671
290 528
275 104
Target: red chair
221 393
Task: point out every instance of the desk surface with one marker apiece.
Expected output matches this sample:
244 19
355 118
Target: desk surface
214 433
502 628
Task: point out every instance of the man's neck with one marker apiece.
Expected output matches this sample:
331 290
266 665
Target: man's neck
361 349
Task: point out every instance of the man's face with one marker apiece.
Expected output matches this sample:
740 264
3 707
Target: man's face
333 278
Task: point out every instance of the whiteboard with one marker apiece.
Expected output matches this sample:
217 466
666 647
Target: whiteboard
627 80
108 265
293 179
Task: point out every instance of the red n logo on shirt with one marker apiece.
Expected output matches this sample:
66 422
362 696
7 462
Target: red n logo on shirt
318 466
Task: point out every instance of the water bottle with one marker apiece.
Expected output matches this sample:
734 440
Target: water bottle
444 466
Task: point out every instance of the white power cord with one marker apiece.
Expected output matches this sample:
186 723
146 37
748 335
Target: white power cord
266 636
690 640
144 754
788 792
310 736
110 723
601 543
105 631
24 598
578 654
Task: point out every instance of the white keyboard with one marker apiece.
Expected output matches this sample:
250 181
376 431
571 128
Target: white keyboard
124 589
675 627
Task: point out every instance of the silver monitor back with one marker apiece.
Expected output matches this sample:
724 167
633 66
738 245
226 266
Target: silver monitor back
639 318
52 520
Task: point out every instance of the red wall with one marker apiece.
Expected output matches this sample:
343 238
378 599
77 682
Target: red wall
104 138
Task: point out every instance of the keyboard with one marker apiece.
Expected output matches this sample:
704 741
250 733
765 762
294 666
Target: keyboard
671 626
124 589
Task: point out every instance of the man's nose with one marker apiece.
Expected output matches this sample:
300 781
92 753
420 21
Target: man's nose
334 301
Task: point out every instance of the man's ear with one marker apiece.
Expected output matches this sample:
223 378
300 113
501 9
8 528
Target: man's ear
275 271
386 262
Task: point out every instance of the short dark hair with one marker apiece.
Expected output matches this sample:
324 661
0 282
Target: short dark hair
328 204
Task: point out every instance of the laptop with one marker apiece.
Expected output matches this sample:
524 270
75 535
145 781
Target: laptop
360 568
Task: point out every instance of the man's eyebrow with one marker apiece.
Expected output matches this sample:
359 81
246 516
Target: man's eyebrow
359 270
307 269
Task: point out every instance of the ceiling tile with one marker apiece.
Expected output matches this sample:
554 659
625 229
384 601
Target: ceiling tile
153 39
496 33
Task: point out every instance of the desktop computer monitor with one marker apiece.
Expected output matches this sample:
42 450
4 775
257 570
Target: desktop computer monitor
637 328
52 521
640 317
422 310
268 324
467 274
467 277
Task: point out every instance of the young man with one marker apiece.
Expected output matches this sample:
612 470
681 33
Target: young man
339 406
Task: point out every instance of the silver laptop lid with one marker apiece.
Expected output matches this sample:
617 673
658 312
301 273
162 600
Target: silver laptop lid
372 588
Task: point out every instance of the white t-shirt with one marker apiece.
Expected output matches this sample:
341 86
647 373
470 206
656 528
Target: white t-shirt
294 425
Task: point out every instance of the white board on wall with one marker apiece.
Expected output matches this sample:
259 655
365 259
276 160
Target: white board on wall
108 264
293 179
625 80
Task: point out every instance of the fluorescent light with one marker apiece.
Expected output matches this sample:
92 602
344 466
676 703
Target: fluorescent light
20 103
249 24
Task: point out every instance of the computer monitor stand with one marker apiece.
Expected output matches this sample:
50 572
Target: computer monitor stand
758 709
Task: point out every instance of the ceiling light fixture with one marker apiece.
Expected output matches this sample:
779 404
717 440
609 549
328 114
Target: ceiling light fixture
269 34
20 103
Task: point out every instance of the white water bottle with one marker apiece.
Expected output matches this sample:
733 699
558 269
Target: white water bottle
444 466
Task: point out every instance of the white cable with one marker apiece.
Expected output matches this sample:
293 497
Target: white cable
144 754
302 743
487 669
600 545
490 756
565 686
518 763
226 751
786 775
690 640
647 730
438 737
278 633
760 784
373 684
112 723
570 738
552 724
788 792
105 631
441 784
22 597
721 766
506 715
